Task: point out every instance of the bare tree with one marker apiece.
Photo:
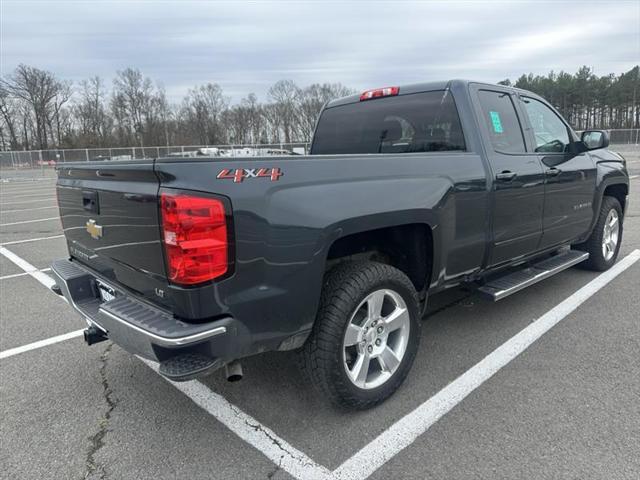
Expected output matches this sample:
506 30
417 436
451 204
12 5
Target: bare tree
91 113
56 114
203 109
38 89
256 119
285 94
9 113
131 104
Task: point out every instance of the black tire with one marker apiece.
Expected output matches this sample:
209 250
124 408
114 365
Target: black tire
345 288
593 245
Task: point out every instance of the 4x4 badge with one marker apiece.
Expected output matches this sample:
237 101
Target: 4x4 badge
94 230
239 174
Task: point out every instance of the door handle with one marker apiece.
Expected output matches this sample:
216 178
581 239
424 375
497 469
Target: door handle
506 176
552 172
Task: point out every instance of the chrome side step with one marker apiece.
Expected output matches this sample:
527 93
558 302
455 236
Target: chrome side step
502 287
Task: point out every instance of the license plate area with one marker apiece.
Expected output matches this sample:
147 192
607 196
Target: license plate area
106 292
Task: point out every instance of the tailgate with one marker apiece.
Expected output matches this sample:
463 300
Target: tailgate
109 213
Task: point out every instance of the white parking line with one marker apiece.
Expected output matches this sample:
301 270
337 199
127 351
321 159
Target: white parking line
28 240
244 426
14 275
28 209
404 432
29 201
29 221
397 437
26 195
28 188
634 176
39 344
25 186
25 180
265 440
43 278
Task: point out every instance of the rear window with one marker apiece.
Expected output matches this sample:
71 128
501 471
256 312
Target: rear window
419 122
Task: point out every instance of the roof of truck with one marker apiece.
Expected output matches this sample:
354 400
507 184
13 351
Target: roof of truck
421 87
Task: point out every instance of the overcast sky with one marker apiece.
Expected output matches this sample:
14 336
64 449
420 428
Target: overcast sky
246 47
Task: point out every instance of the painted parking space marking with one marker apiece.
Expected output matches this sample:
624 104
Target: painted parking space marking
39 344
14 275
250 430
28 209
42 277
12 195
241 424
49 199
395 438
405 431
19 190
29 221
29 240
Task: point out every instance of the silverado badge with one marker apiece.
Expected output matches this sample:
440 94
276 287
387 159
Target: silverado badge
94 230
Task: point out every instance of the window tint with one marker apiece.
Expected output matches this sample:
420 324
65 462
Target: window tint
550 132
420 122
501 119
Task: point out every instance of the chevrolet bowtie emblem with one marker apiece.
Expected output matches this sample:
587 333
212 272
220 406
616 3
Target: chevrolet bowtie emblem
94 230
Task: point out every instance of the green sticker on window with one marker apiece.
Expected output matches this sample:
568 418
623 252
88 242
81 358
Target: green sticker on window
495 120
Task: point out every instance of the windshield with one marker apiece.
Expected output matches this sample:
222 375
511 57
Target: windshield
419 122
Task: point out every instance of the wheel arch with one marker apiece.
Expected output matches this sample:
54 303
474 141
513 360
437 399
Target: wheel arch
619 191
409 247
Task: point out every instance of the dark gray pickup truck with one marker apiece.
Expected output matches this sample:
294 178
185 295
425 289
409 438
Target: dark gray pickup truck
197 263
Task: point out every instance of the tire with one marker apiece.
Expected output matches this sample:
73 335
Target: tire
350 290
599 258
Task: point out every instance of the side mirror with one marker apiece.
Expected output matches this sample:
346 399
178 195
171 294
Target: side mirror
595 139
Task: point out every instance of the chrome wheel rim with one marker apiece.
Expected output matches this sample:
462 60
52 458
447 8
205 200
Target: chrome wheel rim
376 339
610 235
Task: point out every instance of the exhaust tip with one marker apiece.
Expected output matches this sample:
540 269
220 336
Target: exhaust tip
233 371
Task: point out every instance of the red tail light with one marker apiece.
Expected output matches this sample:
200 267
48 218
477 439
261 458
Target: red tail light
195 238
379 92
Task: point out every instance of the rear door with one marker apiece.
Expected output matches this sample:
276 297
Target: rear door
518 177
109 213
570 178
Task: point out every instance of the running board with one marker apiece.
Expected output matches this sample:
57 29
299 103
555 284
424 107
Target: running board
502 287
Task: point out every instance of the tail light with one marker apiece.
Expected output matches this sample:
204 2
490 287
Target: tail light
380 92
195 238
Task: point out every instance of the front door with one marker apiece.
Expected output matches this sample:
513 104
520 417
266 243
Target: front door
570 178
518 177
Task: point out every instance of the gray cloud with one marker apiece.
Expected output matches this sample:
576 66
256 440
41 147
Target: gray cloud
248 46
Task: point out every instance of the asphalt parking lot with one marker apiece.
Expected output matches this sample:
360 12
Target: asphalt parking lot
568 406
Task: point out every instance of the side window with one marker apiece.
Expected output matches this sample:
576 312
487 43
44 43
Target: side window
550 132
501 119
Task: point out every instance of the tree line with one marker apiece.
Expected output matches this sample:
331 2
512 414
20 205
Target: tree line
588 101
38 110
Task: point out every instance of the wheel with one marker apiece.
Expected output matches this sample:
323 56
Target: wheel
604 243
366 334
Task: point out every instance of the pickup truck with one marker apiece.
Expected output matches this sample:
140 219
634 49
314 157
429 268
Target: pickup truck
197 263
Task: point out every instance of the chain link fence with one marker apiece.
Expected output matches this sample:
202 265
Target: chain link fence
628 136
41 163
